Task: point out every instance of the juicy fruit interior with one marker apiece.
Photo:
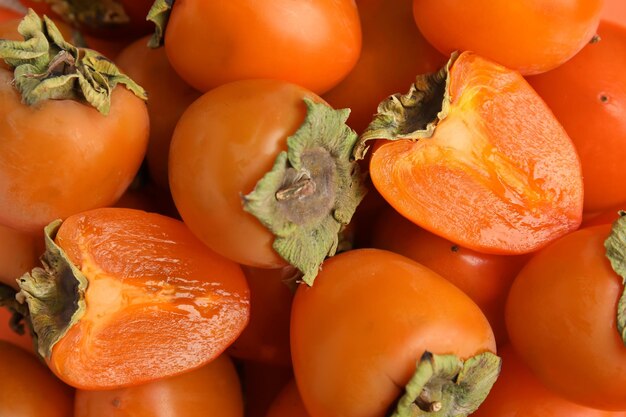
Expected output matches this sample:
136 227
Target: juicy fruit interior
487 179
152 307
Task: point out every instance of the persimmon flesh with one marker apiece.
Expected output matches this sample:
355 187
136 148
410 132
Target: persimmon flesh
499 174
158 302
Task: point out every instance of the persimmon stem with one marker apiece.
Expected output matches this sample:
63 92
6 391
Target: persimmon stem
312 190
428 406
300 188
446 386
62 64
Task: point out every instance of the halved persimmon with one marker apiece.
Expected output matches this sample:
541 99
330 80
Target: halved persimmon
474 155
126 297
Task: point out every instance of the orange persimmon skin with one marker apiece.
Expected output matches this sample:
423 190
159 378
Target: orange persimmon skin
159 303
61 157
169 97
314 44
212 389
222 146
385 310
530 36
561 315
485 278
588 95
517 392
499 175
393 52
28 389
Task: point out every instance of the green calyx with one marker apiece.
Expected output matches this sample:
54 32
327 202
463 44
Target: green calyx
54 293
90 13
159 14
413 115
312 191
445 386
615 246
49 68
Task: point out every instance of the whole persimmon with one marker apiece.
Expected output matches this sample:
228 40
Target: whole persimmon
74 129
409 340
314 44
530 36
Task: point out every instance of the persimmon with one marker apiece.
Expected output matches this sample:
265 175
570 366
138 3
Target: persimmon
261 171
126 297
565 316
530 36
288 403
266 337
28 389
212 389
475 156
314 44
74 129
375 322
587 94
169 96
485 278
393 51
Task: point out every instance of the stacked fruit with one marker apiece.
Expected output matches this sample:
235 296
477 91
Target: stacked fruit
319 208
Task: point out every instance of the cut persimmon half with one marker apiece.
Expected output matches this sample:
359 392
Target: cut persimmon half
126 297
474 155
